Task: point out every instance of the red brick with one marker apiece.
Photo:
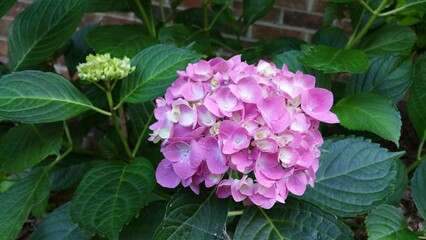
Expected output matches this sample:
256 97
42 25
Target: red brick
17 9
4 25
109 20
3 48
273 16
319 6
295 4
191 4
89 19
302 19
267 32
238 8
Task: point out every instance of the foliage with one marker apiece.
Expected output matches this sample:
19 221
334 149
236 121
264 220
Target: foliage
86 140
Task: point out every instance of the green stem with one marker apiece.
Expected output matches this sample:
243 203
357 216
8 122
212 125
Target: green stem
163 15
99 86
364 30
205 16
366 6
101 111
419 155
216 17
149 24
138 143
58 159
400 9
67 133
235 213
115 120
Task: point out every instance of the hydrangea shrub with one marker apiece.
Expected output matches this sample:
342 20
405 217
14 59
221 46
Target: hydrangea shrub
174 130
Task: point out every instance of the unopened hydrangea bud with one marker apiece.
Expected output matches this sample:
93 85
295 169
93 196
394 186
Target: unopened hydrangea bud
103 67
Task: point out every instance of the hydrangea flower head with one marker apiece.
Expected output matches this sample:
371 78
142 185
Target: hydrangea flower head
104 68
251 130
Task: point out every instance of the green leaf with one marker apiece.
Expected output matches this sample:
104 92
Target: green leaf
70 170
143 227
181 36
108 149
354 176
106 5
293 220
110 195
419 5
400 184
389 39
254 10
193 217
17 202
26 145
418 188
370 112
5 6
121 41
387 223
155 71
41 29
330 36
388 76
141 117
290 59
360 16
269 48
416 103
78 50
333 11
333 60
58 226
38 97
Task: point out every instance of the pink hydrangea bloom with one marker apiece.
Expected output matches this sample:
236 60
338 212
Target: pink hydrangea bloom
225 118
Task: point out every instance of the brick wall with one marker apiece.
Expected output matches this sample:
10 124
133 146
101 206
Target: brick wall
297 18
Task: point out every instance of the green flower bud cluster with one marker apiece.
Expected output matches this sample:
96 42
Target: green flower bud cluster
102 67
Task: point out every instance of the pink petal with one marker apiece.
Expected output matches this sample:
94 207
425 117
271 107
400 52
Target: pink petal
224 188
282 188
212 106
241 161
205 117
296 183
317 102
269 165
238 140
193 91
215 160
248 90
266 145
299 123
187 115
177 152
201 71
274 111
166 176
288 156
304 81
184 169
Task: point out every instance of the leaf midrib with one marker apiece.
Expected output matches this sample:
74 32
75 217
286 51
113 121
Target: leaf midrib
50 100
